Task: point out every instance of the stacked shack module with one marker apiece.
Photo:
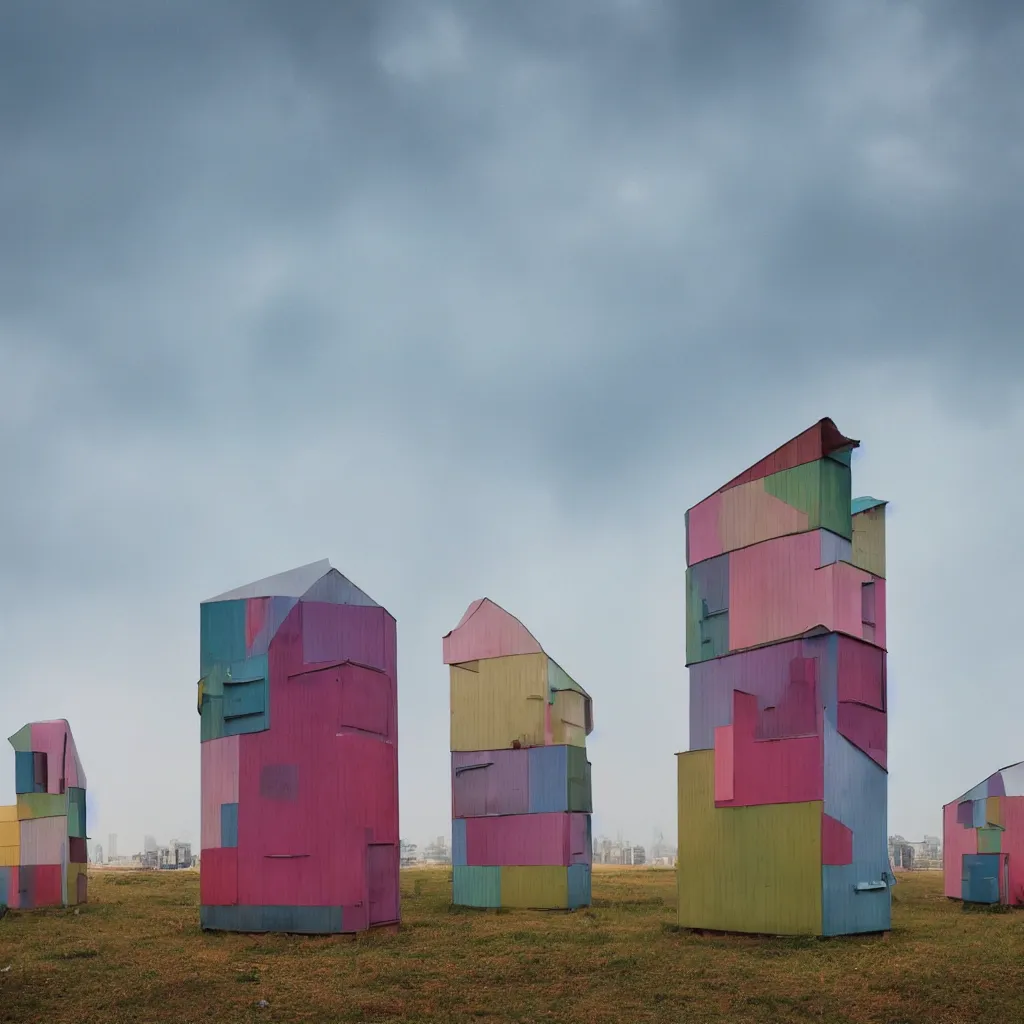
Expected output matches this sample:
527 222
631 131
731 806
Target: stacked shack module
520 777
43 860
782 795
983 840
299 757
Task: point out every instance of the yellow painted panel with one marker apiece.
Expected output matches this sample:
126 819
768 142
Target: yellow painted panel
745 869
535 888
42 805
9 813
10 856
74 870
869 540
10 833
568 719
504 700
993 811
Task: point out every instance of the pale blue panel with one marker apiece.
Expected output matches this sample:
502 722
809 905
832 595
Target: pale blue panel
229 825
549 779
979 792
5 885
458 842
980 877
476 886
245 699
835 548
856 793
980 820
337 589
579 885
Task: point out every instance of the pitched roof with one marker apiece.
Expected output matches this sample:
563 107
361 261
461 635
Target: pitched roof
865 503
298 583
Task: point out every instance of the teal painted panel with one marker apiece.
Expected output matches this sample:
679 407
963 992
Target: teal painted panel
229 825
458 842
476 886
244 699
580 792
579 885
24 772
77 825
221 633
5 885
294 920
248 669
863 504
980 878
559 679
245 724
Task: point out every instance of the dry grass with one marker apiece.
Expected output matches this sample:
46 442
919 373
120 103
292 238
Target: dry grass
135 953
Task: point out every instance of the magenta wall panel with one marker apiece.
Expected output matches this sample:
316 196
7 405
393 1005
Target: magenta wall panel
956 841
861 673
864 727
769 771
519 839
490 782
487 631
580 842
1012 843
836 842
49 738
725 765
317 787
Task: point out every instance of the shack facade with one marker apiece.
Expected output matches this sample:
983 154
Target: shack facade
299 750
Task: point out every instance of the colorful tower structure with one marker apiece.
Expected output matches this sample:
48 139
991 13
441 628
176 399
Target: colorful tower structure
43 843
299 741
983 840
521 795
782 794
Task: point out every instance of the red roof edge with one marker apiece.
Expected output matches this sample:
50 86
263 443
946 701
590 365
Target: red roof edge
815 443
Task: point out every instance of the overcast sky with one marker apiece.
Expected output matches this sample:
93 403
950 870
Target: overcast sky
476 299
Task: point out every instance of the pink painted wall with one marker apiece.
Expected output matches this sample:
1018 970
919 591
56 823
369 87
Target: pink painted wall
768 771
44 841
778 590
864 727
218 877
48 738
520 839
836 842
861 673
702 537
487 631
956 841
218 781
1012 842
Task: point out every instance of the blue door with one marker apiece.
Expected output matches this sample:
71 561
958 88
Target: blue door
979 878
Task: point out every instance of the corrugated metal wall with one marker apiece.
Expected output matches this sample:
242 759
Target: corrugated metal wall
538 888
754 869
868 549
502 702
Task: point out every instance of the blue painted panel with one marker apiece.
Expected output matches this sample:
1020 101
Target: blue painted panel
244 699
978 815
835 548
458 842
579 885
979 792
5 885
221 633
229 824
856 793
297 920
549 779
980 877
476 886
24 772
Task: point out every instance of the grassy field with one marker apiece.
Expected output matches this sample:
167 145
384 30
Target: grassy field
135 953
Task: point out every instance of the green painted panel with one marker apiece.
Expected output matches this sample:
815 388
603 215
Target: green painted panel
22 739
559 679
836 490
843 456
76 813
821 489
42 805
211 725
580 793
693 611
990 840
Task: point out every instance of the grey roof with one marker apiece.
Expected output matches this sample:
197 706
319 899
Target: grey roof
325 582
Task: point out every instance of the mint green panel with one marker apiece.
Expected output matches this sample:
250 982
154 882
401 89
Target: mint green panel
836 494
76 813
211 726
822 489
22 739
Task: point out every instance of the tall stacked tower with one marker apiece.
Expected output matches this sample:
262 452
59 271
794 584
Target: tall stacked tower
782 795
521 798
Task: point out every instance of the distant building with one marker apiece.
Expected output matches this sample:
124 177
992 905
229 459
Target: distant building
437 852
149 845
923 856
983 840
97 856
521 791
407 856
112 846
43 839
